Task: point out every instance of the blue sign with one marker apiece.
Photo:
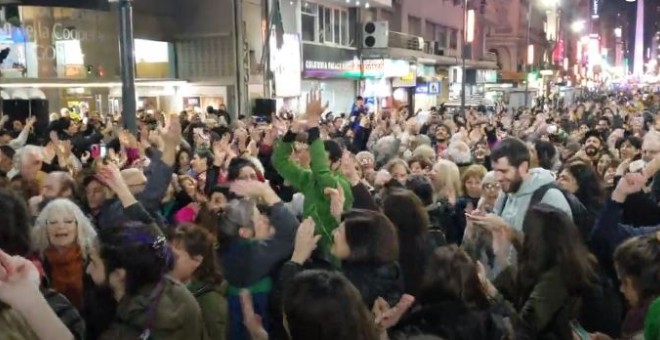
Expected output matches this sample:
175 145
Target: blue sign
434 88
422 88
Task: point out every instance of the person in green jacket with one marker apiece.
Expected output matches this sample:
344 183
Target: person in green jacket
196 266
323 173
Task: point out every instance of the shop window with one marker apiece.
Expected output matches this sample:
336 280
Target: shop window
327 25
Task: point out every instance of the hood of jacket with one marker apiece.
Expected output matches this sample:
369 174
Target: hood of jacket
538 177
513 207
176 311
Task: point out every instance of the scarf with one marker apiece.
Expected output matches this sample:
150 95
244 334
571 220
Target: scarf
66 272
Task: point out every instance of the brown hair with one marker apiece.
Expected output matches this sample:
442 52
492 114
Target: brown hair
199 242
639 259
325 305
451 275
473 171
371 236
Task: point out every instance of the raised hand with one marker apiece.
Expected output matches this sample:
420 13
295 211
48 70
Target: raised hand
315 108
19 279
386 316
337 200
305 242
171 134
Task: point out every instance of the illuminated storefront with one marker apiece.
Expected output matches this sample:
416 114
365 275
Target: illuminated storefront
71 55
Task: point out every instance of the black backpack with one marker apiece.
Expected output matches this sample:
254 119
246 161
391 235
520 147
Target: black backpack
582 218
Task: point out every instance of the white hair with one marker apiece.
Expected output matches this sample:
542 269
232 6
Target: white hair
459 152
85 230
31 151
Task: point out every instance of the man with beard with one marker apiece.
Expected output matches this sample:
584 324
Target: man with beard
511 163
58 184
592 146
442 134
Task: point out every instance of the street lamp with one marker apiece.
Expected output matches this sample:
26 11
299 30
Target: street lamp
578 26
468 38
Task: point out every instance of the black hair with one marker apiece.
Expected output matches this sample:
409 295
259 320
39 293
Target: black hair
422 187
325 305
235 166
513 149
8 151
16 224
546 153
206 154
138 248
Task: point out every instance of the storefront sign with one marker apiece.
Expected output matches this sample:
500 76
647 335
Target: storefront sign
486 76
329 62
434 88
428 88
422 89
595 9
285 65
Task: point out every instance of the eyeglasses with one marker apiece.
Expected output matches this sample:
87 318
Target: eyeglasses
491 186
55 222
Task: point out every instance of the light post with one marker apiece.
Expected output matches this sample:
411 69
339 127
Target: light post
468 38
530 48
638 56
127 62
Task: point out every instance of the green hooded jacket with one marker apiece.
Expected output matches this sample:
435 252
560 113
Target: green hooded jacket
215 310
311 183
177 315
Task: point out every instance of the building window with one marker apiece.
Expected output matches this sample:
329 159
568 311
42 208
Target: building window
327 25
308 21
453 39
414 26
437 33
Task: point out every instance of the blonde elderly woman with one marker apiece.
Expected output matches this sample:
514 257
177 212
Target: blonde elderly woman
447 186
62 238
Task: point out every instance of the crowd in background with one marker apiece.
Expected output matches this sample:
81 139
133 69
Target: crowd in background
515 223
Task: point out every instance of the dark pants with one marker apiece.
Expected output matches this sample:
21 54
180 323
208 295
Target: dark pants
236 329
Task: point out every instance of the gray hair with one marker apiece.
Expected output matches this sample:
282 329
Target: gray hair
238 213
459 152
86 232
31 151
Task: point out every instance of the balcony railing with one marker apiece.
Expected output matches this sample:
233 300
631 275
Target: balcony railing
417 43
406 41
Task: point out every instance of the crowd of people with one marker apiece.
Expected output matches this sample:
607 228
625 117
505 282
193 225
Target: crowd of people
520 223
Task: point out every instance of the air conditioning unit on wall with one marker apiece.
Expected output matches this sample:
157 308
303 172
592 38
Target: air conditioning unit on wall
375 34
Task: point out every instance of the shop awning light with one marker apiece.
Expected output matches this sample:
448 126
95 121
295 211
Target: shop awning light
93 85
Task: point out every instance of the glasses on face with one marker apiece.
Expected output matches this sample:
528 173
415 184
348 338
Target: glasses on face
491 186
64 221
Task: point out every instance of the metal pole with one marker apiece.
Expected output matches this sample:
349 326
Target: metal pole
529 19
241 87
127 59
267 51
463 47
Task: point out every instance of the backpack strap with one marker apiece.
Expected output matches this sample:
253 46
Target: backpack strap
500 208
539 193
